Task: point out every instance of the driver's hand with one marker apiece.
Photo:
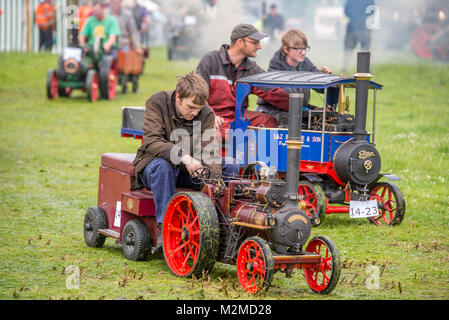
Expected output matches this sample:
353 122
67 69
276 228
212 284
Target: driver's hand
107 47
218 122
191 163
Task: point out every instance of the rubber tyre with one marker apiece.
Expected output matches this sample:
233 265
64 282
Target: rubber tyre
315 200
324 277
190 234
52 84
108 78
92 85
136 241
390 200
255 265
94 220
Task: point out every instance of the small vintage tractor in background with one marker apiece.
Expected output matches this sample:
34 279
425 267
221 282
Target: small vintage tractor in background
88 69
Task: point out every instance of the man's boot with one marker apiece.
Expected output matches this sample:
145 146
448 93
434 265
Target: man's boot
158 246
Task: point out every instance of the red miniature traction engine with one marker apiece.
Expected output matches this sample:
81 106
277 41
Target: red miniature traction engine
254 224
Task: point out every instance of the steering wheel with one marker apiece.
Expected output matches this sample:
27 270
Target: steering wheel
201 174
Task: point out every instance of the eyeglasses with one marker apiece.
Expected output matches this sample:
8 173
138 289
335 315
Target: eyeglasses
256 43
300 49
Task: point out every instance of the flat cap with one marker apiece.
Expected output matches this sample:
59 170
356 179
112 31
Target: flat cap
247 30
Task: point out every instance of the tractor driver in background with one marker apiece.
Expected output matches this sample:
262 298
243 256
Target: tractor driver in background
100 26
165 161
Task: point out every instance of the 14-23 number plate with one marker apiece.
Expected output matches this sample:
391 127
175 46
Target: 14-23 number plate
363 209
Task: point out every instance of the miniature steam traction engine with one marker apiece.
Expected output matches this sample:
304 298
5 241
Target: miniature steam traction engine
254 224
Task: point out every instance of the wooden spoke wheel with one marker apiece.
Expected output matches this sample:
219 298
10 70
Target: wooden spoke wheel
190 234
92 86
94 220
255 265
391 204
52 84
314 202
323 277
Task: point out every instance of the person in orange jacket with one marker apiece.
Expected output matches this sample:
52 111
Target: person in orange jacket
85 11
46 22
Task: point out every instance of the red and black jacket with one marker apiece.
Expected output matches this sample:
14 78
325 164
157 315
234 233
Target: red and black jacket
215 68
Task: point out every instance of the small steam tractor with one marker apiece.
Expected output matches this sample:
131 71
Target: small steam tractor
253 224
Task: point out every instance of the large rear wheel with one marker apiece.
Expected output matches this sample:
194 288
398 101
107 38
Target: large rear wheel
190 234
108 78
92 85
314 202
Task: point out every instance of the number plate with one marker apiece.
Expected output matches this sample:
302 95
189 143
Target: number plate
363 209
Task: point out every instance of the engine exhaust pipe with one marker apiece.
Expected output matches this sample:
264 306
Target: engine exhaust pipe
294 144
362 78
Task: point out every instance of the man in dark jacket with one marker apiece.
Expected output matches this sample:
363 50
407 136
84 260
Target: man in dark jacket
356 30
222 68
177 129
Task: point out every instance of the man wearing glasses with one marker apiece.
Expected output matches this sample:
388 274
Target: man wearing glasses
222 68
290 57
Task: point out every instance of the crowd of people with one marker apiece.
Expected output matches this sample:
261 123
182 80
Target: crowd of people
120 24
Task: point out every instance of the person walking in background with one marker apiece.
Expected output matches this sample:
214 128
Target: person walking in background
45 20
274 22
85 12
356 30
129 34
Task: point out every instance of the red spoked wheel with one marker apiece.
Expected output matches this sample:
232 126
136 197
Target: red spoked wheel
421 38
112 81
323 277
108 77
52 84
255 265
92 85
190 234
391 204
314 202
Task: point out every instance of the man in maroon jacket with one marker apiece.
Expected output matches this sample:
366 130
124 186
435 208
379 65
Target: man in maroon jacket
222 68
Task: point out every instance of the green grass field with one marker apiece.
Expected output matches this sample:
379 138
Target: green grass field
50 154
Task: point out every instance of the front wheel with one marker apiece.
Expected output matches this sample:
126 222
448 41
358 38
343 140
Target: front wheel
190 234
323 277
391 203
255 265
